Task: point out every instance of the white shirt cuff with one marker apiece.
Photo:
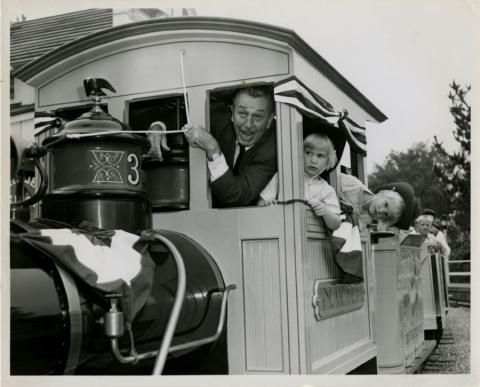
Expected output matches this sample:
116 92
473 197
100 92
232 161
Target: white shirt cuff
217 167
270 192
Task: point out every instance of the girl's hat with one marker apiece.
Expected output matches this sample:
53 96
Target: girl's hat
407 193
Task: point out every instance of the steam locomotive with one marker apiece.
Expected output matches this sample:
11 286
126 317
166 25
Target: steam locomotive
61 325
247 290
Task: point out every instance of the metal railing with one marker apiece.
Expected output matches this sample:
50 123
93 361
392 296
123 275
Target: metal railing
459 281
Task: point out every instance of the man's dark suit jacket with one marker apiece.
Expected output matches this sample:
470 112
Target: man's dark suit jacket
256 168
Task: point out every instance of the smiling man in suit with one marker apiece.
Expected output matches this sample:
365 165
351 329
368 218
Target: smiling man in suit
242 156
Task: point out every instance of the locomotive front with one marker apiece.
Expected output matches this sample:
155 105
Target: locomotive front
100 172
60 324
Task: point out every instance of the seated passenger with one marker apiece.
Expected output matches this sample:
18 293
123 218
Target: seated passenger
318 156
437 232
242 157
422 226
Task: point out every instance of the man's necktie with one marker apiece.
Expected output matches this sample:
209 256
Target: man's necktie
239 159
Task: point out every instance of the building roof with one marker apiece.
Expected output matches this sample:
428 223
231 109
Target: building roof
31 39
201 23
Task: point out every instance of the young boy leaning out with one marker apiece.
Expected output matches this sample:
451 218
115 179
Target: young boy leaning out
392 205
318 156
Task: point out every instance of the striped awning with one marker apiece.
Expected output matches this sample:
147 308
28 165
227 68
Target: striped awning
295 93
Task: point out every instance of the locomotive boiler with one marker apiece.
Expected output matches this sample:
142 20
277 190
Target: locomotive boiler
60 324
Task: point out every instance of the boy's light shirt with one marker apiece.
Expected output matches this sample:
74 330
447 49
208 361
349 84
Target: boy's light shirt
218 166
354 192
318 190
315 190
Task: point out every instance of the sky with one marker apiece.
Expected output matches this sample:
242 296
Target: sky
401 54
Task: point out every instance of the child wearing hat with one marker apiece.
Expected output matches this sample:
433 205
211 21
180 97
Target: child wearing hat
392 205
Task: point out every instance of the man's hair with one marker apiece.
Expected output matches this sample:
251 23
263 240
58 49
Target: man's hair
256 92
397 205
423 218
319 139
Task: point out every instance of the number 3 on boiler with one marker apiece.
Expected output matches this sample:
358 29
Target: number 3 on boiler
134 177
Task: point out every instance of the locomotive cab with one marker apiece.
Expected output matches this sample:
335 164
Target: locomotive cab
289 314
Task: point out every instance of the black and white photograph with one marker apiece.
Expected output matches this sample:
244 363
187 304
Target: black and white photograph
256 193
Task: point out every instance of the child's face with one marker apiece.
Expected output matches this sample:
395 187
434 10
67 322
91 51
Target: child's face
380 208
315 159
423 227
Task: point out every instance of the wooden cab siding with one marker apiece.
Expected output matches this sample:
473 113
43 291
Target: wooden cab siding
342 342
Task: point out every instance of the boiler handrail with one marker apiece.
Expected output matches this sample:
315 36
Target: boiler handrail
177 306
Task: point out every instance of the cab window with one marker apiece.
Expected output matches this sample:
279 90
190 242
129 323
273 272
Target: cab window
243 120
167 181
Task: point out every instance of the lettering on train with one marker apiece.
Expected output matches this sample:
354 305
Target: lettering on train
331 298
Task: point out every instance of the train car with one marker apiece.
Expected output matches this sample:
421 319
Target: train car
434 291
288 313
399 304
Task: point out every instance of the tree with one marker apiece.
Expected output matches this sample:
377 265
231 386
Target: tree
415 166
453 170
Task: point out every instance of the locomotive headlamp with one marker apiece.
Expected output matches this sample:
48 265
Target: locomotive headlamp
20 151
